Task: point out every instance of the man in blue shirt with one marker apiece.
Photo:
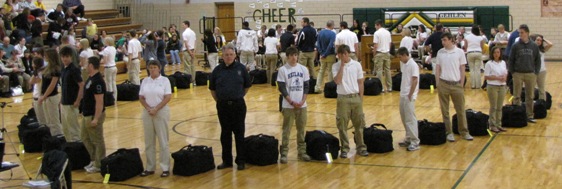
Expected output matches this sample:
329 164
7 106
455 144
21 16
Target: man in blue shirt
325 47
306 43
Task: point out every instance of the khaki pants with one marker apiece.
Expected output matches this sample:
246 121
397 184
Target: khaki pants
5 82
271 62
474 63
541 81
530 79
353 56
283 57
325 66
92 137
109 76
39 113
433 65
156 127
408 116
299 116
213 60
70 125
52 115
188 64
382 62
350 107
456 93
496 94
85 74
307 59
134 70
247 58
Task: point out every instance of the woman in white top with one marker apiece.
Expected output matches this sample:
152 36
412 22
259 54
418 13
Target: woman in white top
154 95
420 39
38 66
110 71
407 41
271 44
475 44
544 46
85 53
495 73
21 47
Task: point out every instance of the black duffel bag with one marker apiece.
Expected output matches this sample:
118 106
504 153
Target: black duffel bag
514 116
122 164
477 123
258 76
396 81
261 149
108 99
172 80
318 143
192 160
32 136
539 109
431 133
548 99
201 78
182 80
372 86
78 156
128 91
330 90
378 140
426 80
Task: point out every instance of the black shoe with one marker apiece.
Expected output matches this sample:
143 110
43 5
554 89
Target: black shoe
224 166
241 166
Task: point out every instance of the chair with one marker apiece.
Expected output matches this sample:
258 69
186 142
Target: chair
36 183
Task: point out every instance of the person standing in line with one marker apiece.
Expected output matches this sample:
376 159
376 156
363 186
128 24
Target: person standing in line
544 46
347 37
293 81
348 76
449 76
211 46
325 47
94 116
306 43
271 44
35 81
229 83
247 45
381 55
72 92
134 54
188 50
433 44
155 93
110 71
495 72
408 94
475 46
161 50
524 65
287 40
50 97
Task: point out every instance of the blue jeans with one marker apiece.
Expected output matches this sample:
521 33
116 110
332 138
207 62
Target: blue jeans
175 56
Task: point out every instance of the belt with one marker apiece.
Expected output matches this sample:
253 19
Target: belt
230 102
110 66
381 52
134 59
474 51
496 85
450 82
36 99
187 50
348 95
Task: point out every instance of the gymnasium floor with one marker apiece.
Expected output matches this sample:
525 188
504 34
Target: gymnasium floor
528 157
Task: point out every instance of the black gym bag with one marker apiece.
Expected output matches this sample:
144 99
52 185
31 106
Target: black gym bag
396 81
330 90
548 99
78 156
128 91
378 140
514 116
539 109
426 80
182 80
258 76
373 86
32 136
477 123
318 143
122 164
431 133
201 78
192 160
261 149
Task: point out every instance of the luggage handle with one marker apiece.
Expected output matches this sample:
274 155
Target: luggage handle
374 125
189 147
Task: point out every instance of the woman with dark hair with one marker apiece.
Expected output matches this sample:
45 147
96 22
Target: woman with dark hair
96 43
544 46
174 46
210 45
71 20
49 99
474 46
161 51
421 36
150 45
356 29
495 74
271 44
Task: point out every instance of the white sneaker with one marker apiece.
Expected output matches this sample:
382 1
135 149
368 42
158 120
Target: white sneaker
468 137
413 147
89 165
93 170
451 137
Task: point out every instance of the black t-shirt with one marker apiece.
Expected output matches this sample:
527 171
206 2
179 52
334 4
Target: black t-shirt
435 41
94 85
287 39
229 82
70 78
47 81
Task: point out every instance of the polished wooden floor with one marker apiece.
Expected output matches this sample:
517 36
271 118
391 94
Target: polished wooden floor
520 158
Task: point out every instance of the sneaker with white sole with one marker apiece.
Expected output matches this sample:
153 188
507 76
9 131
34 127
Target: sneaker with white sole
450 137
404 144
93 170
89 165
413 147
531 120
468 137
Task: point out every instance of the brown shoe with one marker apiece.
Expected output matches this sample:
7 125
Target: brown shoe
494 129
502 129
146 173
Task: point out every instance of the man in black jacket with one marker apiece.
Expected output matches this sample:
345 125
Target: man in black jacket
306 43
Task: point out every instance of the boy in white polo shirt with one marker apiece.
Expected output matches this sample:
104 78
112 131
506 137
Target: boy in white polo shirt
408 93
348 75
293 83
449 76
